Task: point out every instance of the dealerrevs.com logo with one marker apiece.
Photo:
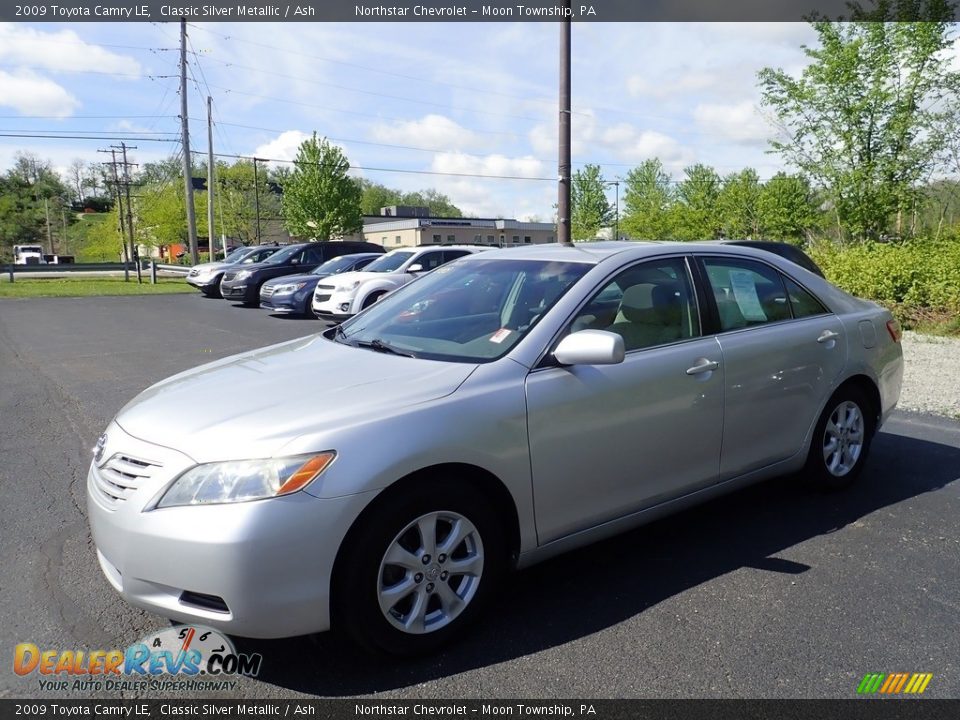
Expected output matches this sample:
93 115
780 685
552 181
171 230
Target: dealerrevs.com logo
186 657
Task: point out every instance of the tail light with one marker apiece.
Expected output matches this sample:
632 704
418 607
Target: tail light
893 327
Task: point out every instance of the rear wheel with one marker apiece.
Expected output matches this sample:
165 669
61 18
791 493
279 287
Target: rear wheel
420 568
841 439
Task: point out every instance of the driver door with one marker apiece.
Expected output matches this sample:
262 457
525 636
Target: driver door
606 441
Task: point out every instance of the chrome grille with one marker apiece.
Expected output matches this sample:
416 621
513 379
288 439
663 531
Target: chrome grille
229 275
121 476
331 288
266 291
321 298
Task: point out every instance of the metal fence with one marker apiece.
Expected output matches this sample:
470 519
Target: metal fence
150 266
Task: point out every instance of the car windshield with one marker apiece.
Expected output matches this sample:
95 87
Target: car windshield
389 262
237 255
465 311
336 265
282 255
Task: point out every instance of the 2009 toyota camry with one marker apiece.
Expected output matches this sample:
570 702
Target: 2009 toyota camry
502 409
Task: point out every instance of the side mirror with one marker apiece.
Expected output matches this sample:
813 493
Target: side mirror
294 261
415 268
590 347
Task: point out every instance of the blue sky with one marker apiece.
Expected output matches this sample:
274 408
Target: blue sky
468 98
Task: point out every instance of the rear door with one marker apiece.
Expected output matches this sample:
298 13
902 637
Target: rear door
782 354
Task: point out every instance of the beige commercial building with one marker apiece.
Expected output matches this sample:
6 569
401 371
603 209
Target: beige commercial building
413 231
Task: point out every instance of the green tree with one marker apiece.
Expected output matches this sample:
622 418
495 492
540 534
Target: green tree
590 209
647 199
319 199
31 194
788 208
696 213
870 116
738 205
374 195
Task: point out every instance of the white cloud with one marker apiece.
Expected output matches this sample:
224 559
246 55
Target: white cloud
282 147
59 51
526 166
434 131
30 94
682 83
741 122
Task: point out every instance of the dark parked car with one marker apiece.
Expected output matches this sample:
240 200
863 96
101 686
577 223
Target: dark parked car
784 250
293 294
206 276
244 284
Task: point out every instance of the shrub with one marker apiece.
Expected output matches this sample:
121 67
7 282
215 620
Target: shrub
909 277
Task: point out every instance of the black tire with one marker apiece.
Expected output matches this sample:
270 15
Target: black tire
256 298
211 292
356 609
828 470
372 299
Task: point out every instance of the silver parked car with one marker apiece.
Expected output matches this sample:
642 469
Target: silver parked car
504 408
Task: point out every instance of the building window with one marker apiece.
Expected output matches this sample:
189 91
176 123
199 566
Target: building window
516 238
436 239
549 238
491 239
477 239
526 239
397 240
384 241
451 238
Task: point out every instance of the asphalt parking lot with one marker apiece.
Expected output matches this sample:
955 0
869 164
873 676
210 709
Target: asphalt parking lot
775 591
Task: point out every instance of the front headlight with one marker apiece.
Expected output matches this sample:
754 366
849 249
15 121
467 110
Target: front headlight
243 275
241 480
348 286
288 288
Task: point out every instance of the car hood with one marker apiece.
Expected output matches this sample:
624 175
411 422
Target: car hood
303 277
211 266
363 275
253 404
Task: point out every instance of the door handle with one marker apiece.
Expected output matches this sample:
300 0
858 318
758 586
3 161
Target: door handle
827 336
703 365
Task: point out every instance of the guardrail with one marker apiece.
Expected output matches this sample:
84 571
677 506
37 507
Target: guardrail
150 265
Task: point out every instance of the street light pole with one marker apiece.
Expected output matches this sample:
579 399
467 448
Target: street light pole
616 216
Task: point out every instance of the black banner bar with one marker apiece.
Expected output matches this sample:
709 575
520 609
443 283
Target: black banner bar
457 10
854 709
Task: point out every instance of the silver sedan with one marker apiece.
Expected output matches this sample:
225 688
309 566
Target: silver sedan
502 409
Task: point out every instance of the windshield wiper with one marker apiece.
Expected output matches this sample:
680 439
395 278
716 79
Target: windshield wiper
380 346
339 333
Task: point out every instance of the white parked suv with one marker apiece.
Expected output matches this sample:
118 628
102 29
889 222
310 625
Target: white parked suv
343 296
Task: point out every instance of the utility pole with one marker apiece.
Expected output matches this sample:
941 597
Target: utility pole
563 165
46 211
256 195
616 216
126 183
185 128
210 232
116 186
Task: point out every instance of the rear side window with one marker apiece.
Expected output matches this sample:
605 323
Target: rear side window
747 293
802 303
449 255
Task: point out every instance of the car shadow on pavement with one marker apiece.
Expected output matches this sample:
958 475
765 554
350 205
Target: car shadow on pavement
588 590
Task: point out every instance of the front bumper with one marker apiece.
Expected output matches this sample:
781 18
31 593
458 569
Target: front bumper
337 306
282 304
239 290
270 561
203 282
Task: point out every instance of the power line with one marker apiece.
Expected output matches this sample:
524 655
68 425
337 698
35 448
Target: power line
392 170
380 71
82 137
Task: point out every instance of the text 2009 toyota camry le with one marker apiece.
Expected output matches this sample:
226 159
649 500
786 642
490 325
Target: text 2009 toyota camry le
502 409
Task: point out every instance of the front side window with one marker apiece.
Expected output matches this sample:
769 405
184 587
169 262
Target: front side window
465 312
430 260
390 262
747 293
647 305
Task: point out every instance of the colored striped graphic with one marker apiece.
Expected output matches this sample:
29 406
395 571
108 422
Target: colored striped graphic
894 683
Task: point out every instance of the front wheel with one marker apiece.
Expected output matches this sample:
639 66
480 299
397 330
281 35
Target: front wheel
841 440
372 299
419 569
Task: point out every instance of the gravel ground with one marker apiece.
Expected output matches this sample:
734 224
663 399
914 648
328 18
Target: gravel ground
931 378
